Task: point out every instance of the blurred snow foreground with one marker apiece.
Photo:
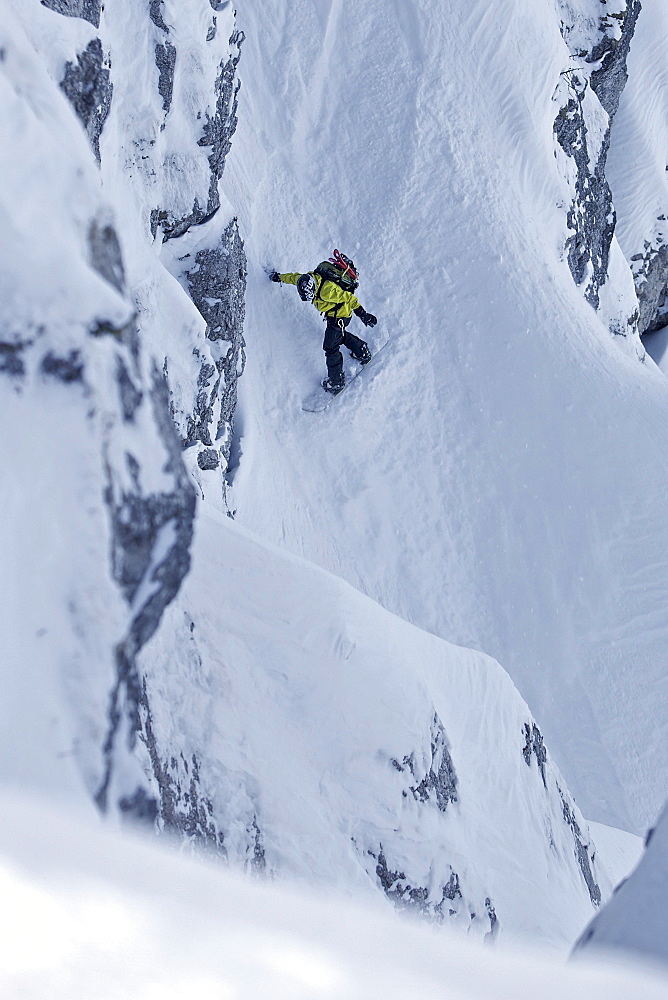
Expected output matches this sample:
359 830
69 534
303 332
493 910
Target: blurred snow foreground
93 913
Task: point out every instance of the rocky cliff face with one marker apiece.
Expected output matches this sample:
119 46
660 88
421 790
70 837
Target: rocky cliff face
174 153
598 36
149 365
637 167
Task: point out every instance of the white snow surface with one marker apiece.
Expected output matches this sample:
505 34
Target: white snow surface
97 914
635 921
501 481
306 699
622 851
493 485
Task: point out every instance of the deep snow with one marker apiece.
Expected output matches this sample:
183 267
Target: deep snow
496 483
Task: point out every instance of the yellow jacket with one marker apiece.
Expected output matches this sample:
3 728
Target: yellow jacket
329 299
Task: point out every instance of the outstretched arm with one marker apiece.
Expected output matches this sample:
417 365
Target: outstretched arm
287 279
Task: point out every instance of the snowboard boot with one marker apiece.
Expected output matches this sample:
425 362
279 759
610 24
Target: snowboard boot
334 386
364 356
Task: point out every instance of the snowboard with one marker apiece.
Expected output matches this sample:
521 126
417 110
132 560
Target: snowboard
320 399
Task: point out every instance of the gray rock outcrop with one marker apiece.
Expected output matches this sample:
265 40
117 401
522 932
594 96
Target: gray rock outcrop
599 66
87 85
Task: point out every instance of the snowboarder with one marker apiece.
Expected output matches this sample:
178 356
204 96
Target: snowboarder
330 288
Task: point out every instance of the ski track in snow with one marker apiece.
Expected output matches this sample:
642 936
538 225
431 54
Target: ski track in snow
470 487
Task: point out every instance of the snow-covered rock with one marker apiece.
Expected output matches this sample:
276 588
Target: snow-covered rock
638 166
91 320
588 94
635 920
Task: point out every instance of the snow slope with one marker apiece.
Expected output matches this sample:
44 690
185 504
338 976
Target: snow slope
495 483
94 914
635 921
272 712
338 744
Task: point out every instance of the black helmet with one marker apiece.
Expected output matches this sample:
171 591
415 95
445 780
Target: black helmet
306 287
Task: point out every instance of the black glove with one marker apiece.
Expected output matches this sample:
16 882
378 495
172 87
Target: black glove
274 276
366 317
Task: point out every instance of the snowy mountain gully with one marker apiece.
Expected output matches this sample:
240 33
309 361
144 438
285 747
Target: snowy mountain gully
410 649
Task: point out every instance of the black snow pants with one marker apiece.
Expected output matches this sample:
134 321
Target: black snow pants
336 335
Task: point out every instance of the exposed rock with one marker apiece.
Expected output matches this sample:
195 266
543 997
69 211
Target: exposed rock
182 807
440 779
89 10
151 536
68 368
435 783
105 254
140 806
650 273
405 896
217 134
208 459
534 746
592 217
217 285
127 333
156 14
11 358
130 396
87 85
493 919
609 79
165 60
435 904
581 851
257 861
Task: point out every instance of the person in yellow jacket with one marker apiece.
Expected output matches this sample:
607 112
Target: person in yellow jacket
337 305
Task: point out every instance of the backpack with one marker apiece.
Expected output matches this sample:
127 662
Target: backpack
339 269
